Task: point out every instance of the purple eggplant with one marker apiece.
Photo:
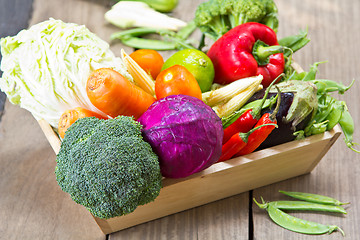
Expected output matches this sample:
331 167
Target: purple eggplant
297 107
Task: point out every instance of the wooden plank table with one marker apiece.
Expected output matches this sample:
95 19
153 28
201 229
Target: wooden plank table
32 206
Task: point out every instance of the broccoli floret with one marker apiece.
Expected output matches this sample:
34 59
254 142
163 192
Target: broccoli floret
246 11
216 17
106 166
271 17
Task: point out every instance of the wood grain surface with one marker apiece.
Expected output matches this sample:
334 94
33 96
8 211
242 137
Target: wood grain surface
32 206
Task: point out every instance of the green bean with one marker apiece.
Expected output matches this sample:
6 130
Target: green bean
307 206
299 225
346 123
315 198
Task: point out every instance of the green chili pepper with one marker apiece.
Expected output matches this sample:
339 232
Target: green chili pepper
347 126
315 198
299 225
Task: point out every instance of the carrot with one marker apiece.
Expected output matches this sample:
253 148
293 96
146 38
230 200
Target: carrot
115 95
70 116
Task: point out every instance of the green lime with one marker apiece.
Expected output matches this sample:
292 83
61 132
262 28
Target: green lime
197 62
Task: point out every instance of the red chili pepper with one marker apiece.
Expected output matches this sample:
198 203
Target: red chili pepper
237 142
243 124
259 135
247 120
247 50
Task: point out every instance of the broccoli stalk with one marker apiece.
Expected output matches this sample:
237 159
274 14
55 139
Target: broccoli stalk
106 166
216 17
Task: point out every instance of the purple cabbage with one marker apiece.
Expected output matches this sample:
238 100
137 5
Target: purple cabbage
184 132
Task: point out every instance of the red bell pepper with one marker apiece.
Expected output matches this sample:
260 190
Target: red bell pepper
247 50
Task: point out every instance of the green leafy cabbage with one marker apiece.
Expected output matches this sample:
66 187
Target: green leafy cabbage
46 67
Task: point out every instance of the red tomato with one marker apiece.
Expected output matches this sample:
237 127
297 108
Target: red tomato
149 60
176 80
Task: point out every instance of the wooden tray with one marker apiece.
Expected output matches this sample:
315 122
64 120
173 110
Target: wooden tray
226 179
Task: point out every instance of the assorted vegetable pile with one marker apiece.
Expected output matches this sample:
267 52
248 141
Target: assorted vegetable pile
126 122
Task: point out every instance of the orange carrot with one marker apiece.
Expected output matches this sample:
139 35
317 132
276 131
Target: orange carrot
70 116
115 95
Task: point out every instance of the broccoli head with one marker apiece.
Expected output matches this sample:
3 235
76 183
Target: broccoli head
106 166
216 17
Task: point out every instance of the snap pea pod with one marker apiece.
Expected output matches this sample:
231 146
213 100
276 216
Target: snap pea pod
346 123
295 42
324 107
316 128
172 40
319 122
325 86
315 198
334 116
307 206
302 206
311 74
299 225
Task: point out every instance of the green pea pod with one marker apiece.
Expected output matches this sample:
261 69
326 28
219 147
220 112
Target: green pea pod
307 206
315 198
172 40
324 108
325 86
318 123
316 128
295 42
297 76
302 206
335 114
158 45
299 225
346 123
186 31
311 75
321 86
